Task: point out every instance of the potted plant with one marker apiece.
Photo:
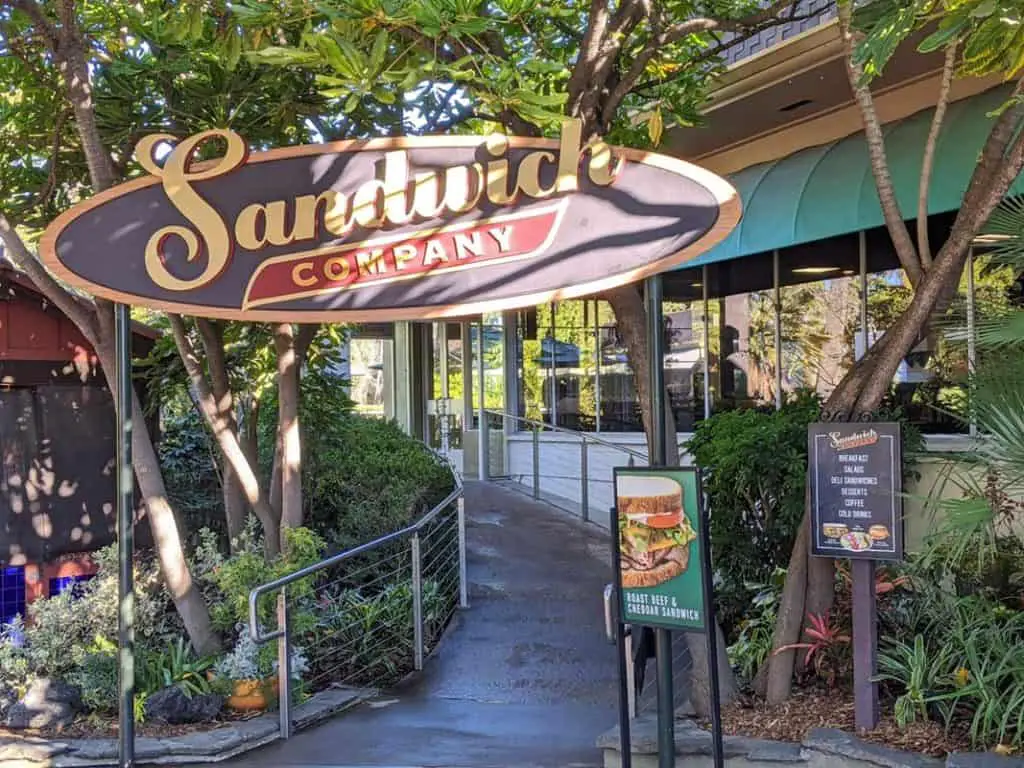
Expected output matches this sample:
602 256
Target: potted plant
240 668
253 681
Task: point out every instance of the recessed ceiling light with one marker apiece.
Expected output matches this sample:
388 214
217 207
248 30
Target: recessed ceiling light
697 285
814 270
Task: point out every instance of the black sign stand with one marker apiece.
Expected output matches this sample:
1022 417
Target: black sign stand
625 740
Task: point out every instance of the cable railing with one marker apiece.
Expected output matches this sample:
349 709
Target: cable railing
369 615
559 481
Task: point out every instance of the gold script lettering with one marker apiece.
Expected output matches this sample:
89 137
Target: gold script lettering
210 232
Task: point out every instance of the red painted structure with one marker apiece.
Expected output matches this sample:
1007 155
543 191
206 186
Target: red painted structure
57 428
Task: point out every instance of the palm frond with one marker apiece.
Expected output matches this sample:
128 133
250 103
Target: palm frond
1004 233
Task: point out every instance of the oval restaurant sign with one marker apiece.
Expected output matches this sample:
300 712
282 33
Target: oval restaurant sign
386 229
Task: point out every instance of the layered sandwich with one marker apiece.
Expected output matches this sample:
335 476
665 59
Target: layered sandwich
654 532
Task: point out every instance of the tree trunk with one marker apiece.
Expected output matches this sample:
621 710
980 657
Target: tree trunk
227 439
789 620
631 320
232 493
235 508
810 581
290 457
166 538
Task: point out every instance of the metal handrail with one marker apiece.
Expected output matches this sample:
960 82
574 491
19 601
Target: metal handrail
280 585
589 437
259 637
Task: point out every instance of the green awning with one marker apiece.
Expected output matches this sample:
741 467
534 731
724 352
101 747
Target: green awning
829 190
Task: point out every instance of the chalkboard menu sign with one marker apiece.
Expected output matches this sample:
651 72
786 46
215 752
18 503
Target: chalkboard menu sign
856 481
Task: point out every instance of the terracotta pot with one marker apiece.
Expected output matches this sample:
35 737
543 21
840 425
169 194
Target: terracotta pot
252 695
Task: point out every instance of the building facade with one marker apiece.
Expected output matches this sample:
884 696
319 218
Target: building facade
57 429
806 282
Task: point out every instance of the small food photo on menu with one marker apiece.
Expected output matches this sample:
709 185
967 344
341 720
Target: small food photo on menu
834 530
855 541
654 531
878 533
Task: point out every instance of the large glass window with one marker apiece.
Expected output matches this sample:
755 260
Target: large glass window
820 323
494 368
371 363
575 370
742 340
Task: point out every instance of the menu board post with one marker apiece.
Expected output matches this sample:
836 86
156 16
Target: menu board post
856 472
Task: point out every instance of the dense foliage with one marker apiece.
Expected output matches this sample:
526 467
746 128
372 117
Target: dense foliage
754 466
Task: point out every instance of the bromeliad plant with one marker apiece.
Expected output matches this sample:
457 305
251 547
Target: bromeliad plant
827 648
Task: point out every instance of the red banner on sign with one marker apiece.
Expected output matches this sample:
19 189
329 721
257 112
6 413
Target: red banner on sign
447 249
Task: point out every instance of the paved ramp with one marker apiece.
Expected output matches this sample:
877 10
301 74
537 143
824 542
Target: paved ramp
524 677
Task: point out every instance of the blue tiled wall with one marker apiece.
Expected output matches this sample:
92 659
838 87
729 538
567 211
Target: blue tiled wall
12 593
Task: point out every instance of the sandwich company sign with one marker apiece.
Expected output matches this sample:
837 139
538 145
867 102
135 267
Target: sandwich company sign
385 229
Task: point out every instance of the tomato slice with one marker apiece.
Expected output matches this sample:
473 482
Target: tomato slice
671 520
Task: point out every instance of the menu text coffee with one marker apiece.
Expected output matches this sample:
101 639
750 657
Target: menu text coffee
855 491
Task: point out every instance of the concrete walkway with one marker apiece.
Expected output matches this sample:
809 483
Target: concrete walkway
525 677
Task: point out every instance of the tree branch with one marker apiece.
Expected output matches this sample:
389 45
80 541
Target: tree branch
597 23
928 163
44 26
212 336
78 310
303 340
68 51
989 166
434 119
227 440
894 222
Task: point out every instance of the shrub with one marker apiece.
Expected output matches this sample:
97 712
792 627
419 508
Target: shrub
366 638
64 627
189 462
367 478
14 663
236 576
754 466
757 629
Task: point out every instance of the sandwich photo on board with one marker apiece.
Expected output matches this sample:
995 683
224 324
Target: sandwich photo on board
654 531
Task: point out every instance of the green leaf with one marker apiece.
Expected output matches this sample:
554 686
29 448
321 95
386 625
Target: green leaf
281 56
655 127
351 103
984 9
541 99
942 37
234 51
380 50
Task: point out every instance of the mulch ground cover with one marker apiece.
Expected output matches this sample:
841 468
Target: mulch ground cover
95 727
809 709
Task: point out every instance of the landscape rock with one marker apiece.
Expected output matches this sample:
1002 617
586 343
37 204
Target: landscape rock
49 704
983 760
829 748
8 698
172 705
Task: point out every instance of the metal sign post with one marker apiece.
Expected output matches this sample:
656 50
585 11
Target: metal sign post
662 636
711 633
125 536
625 740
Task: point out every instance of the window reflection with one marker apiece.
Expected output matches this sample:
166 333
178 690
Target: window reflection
820 322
